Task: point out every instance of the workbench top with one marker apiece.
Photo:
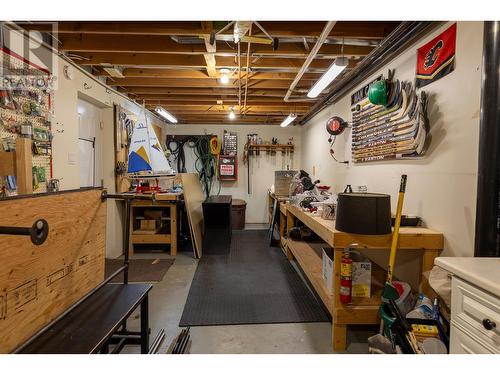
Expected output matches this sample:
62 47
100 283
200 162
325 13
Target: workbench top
409 237
157 196
482 272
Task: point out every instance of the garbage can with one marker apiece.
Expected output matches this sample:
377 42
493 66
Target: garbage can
238 209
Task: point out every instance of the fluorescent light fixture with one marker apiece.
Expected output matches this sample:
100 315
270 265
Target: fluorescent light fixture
166 114
333 71
232 115
288 120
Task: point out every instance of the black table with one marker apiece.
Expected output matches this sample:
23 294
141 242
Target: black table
94 324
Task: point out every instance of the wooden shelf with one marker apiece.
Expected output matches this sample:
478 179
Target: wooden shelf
154 236
264 147
143 231
361 310
308 255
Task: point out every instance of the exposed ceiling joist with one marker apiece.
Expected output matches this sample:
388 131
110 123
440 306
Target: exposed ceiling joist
346 29
195 74
173 64
214 83
165 45
192 61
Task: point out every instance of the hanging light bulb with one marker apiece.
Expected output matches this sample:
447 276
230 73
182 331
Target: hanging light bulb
232 115
224 76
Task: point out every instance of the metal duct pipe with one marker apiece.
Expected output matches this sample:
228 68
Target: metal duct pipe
487 242
402 36
324 35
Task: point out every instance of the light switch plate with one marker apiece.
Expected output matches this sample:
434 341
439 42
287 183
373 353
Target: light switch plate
71 158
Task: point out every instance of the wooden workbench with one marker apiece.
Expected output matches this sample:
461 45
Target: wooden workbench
361 310
138 236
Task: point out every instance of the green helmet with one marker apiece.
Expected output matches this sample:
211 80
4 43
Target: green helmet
378 92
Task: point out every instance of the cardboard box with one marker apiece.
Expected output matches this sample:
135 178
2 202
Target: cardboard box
361 273
148 224
282 180
152 214
361 276
328 268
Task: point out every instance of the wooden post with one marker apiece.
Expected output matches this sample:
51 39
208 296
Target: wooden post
339 331
23 166
289 224
173 229
131 229
282 225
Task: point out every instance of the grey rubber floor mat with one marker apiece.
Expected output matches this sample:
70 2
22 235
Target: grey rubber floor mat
253 284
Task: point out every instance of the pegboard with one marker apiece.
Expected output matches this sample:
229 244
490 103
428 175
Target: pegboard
41 122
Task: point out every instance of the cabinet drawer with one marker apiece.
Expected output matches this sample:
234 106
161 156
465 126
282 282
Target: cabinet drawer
471 306
464 343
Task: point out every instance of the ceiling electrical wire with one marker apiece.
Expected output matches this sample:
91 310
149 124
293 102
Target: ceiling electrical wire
331 142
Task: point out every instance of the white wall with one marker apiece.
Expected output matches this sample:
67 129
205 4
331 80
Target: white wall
262 167
442 187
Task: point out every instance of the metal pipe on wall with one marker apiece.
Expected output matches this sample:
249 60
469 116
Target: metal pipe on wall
248 69
487 241
319 43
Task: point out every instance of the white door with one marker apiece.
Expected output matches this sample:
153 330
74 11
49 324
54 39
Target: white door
90 144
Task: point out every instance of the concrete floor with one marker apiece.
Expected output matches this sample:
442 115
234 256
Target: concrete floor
166 304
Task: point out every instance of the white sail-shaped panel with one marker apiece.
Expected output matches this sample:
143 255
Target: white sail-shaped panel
159 162
146 153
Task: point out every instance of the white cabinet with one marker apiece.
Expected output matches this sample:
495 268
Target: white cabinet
475 316
463 343
475 304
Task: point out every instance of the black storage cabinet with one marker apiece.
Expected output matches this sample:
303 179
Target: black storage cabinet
217 224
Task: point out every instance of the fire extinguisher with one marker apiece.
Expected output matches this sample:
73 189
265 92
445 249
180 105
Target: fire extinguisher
346 275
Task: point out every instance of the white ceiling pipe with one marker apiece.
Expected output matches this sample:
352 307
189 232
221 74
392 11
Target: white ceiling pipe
324 35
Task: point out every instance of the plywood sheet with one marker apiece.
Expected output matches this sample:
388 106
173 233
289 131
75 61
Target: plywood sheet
194 197
38 283
121 150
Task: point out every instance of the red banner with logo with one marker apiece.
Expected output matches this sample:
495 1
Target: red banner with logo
437 58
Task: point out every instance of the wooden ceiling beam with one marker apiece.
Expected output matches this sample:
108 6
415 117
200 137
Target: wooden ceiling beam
165 45
226 102
211 49
227 122
279 93
255 99
346 29
192 61
214 83
214 108
198 74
